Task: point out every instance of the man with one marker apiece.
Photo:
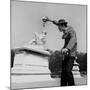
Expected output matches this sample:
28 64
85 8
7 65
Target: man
69 51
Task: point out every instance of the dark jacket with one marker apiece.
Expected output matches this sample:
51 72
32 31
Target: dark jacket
70 40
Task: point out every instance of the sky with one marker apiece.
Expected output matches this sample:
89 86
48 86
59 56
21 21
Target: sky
26 18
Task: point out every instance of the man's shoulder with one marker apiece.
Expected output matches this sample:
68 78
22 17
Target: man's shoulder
70 29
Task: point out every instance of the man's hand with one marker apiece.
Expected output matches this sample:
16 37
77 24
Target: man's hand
65 51
45 19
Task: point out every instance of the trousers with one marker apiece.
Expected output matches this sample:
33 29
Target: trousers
67 78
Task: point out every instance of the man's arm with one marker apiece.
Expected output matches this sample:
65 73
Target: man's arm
55 22
46 19
72 40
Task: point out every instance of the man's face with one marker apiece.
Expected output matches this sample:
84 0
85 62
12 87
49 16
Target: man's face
60 28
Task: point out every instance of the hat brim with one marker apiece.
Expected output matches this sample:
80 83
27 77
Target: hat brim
60 23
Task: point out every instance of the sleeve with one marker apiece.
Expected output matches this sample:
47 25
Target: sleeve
55 22
72 40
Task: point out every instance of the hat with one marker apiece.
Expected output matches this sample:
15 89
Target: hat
62 21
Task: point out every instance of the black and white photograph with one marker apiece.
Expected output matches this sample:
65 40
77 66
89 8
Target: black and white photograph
48 44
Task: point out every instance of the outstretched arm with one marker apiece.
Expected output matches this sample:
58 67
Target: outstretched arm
46 19
55 22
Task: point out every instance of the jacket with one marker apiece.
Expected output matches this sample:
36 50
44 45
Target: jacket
70 40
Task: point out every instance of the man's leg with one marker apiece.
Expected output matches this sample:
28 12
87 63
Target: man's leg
64 74
69 67
70 79
63 78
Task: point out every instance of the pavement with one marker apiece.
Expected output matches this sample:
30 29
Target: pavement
38 81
